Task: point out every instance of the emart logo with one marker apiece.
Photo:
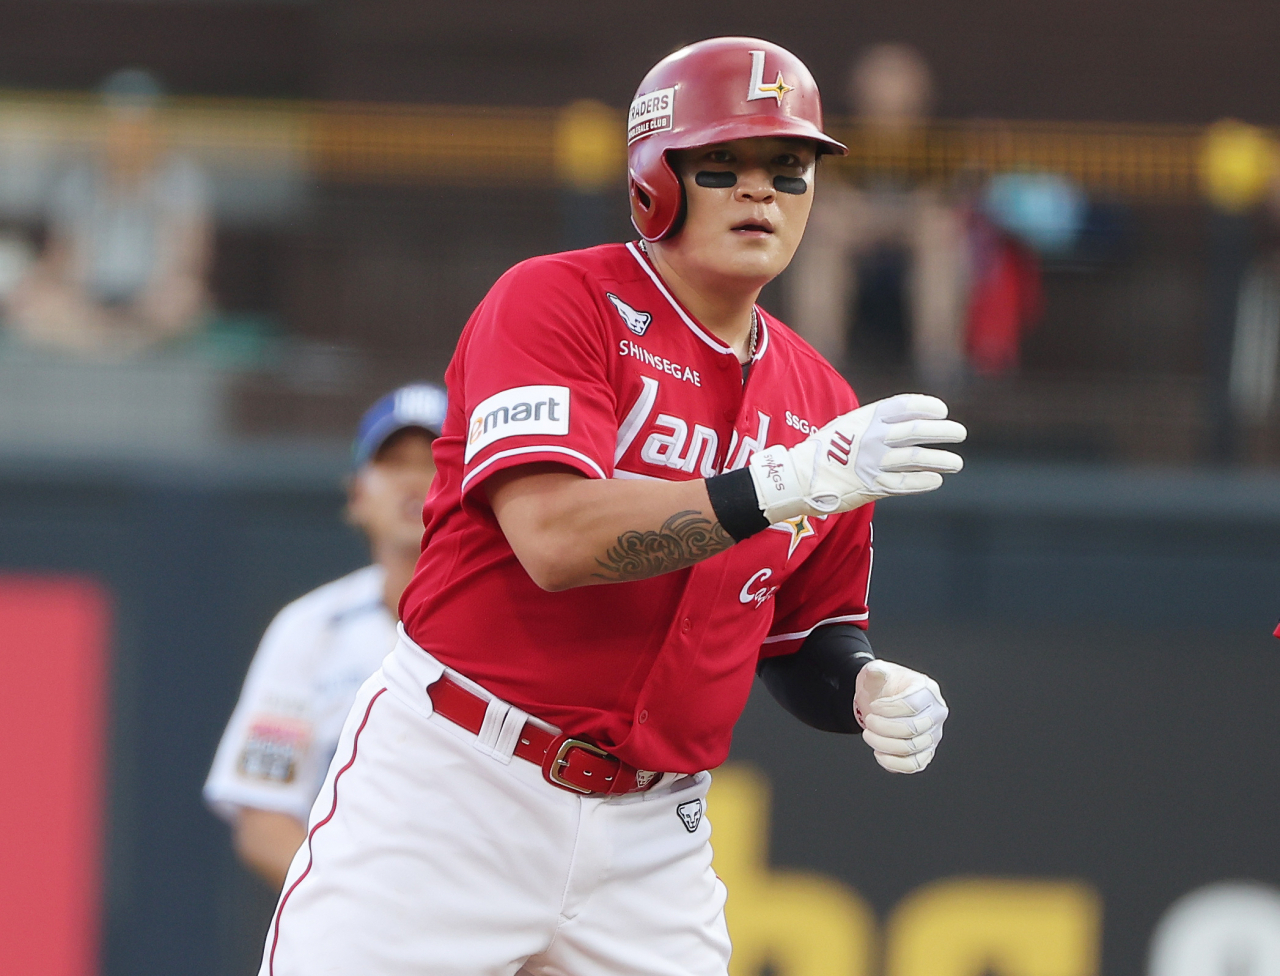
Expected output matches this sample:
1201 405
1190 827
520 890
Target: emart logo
519 411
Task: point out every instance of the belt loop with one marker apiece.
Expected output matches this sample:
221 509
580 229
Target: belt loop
495 715
509 735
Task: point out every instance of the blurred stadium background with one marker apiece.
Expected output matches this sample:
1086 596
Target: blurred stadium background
1096 592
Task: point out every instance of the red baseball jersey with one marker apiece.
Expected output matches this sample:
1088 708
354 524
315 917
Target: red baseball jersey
586 359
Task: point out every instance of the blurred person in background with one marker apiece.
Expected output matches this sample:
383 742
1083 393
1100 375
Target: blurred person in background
1255 343
1013 221
1255 339
881 278
129 239
1237 169
319 649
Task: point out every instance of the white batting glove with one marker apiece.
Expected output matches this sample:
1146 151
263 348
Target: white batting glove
901 712
863 455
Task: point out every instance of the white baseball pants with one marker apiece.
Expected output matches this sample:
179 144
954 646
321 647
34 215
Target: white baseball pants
430 853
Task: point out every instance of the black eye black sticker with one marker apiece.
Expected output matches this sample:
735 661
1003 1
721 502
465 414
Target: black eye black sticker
717 180
788 184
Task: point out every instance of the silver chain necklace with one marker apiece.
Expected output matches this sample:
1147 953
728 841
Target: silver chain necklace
755 316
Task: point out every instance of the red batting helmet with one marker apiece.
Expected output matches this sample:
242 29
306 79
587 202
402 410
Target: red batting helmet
713 91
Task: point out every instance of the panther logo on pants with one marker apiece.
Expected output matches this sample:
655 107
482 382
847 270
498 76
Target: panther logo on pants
690 814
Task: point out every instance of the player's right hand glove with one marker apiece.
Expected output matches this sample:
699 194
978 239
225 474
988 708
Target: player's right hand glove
863 455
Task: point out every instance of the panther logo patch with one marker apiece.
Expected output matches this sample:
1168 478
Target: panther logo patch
690 814
636 321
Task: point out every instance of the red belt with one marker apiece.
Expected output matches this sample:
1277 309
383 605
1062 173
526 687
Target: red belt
572 764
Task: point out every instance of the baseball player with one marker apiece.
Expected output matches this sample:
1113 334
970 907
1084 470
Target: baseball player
322 646
649 490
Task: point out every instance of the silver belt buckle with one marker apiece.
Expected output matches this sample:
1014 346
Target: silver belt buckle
557 763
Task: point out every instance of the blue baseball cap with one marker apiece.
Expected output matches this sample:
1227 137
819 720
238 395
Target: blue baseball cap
416 405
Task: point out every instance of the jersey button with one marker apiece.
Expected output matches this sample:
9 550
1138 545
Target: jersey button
644 715
686 625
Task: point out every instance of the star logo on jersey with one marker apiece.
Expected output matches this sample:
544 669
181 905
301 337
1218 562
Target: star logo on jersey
758 89
799 528
636 321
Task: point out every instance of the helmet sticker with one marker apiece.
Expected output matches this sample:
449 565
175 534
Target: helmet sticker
650 113
757 88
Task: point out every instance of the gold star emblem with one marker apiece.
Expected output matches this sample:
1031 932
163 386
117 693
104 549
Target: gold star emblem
799 530
777 89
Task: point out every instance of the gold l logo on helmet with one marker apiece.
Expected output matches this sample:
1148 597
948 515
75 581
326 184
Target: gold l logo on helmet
757 88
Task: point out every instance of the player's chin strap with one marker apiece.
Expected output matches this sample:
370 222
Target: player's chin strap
816 684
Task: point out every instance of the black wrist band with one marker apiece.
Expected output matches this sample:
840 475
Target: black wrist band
733 499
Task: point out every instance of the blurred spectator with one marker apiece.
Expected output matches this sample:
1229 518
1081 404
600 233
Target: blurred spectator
129 239
1237 165
888 257
275 752
1019 218
1255 348
1255 343
1045 210
1241 178
1005 295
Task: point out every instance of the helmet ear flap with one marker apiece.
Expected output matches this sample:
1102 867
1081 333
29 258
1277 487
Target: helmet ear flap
642 205
675 186
657 199
681 214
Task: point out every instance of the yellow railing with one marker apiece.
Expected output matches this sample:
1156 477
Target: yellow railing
433 144
582 145
1146 161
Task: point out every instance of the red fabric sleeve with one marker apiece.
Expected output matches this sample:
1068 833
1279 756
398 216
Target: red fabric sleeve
533 376
830 588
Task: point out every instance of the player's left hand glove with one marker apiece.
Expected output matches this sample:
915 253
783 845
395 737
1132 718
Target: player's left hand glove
901 712
868 453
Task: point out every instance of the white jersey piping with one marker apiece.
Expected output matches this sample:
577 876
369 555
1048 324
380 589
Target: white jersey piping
847 619
697 330
536 449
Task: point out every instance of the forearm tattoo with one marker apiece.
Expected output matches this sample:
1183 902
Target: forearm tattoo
684 539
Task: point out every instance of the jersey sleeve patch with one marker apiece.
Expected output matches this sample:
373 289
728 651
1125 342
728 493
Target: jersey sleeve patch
274 749
516 412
